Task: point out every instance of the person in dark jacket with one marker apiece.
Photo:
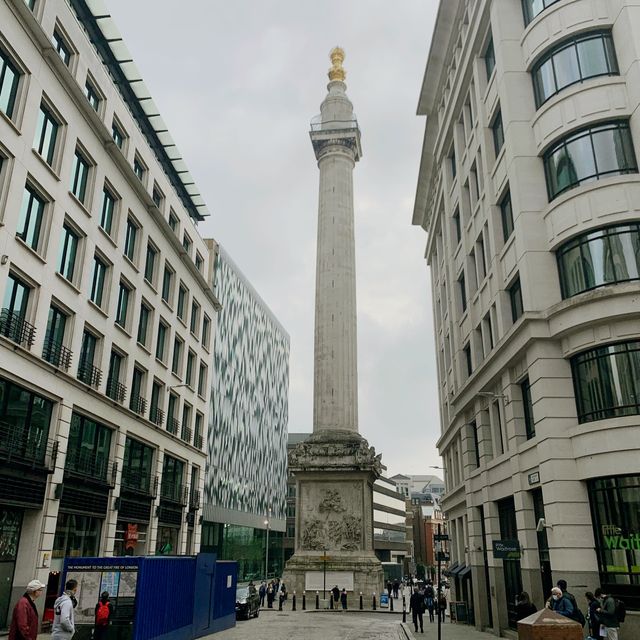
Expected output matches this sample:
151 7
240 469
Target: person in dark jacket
416 607
607 614
100 624
593 605
336 596
560 603
524 606
343 598
24 622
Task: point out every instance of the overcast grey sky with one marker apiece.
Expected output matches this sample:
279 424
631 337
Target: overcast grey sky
237 84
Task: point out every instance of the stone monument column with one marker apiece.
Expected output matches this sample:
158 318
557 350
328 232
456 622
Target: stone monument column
335 468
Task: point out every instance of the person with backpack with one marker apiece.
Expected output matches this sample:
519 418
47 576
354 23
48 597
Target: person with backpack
560 603
607 614
429 600
592 616
103 613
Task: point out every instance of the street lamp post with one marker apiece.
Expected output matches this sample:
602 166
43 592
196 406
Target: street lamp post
266 554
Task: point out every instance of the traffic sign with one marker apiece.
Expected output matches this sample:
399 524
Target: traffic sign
441 537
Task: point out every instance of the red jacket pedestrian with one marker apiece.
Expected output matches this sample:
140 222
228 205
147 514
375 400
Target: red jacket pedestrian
24 622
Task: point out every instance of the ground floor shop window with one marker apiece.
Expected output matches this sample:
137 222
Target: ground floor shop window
76 536
10 525
615 507
168 540
131 539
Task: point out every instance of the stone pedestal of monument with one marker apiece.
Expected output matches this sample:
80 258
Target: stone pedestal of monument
334 472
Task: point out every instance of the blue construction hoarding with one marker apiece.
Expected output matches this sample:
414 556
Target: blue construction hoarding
155 597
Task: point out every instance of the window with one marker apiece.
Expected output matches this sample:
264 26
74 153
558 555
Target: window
172 477
79 176
463 292
467 359
489 58
137 465
167 284
506 215
531 8
157 196
130 240
161 342
515 296
527 409
186 422
202 379
176 361
172 422
31 218
143 324
199 260
16 302
607 381
62 47
108 209
481 258
138 168
44 141
187 243
182 298
124 294
581 57
92 95
473 428
195 317
598 258
88 447
115 390
54 350
9 81
136 402
87 372
191 360
150 263
118 135
68 252
487 333
31 4
589 154
197 430
173 221
98 280
452 164
498 133
206 328
456 226
156 414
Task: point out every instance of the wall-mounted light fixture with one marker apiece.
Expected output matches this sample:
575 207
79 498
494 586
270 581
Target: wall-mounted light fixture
4 259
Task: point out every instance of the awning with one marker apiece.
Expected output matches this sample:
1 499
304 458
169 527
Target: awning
465 573
450 569
458 569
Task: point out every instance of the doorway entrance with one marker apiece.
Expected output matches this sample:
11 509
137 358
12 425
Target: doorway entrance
10 526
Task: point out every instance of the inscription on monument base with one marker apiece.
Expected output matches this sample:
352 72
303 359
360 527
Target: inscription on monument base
315 580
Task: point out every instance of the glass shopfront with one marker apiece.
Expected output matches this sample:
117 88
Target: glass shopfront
615 508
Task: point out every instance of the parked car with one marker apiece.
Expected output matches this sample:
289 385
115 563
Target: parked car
247 603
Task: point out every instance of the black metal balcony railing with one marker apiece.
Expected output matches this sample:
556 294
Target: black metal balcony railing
197 441
139 482
174 492
173 426
16 328
20 445
116 390
57 354
89 374
194 500
186 434
90 465
138 404
156 416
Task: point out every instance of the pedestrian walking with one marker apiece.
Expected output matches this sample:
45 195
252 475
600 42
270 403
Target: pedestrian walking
270 595
609 624
396 588
593 604
343 599
416 607
262 592
429 600
442 605
64 625
24 622
103 613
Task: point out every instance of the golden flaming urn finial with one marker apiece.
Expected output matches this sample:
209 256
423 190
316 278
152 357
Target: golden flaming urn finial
337 58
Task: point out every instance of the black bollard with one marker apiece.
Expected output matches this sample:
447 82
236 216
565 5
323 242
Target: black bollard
331 601
293 602
391 603
317 600
373 605
280 599
361 601
304 600
404 613
404 603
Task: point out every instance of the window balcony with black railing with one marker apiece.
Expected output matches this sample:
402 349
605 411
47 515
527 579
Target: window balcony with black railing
156 416
197 441
17 329
89 374
173 492
116 390
25 447
56 354
138 404
194 500
90 465
186 434
139 482
173 426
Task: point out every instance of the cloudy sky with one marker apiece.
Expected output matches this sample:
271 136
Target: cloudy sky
237 83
